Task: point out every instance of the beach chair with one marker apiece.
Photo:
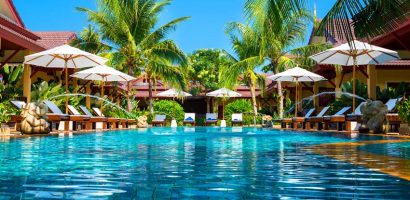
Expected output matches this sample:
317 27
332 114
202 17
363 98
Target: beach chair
112 122
301 120
320 118
211 118
312 120
189 118
237 119
159 120
289 121
338 118
69 124
94 123
393 119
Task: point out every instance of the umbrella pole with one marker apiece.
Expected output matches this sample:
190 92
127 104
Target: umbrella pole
223 108
66 86
296 99
102 96
354 83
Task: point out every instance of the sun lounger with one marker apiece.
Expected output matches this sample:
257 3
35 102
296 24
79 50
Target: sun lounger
339 119
159 120
211 118
393 119
189 118
58 116
309 120
112 122
237 119
301 120
285 121
319 120
93 122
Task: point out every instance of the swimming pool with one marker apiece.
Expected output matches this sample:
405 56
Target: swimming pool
215 163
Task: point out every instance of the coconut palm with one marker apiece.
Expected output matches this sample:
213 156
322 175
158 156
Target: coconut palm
90 41
368 18
140 43
246 44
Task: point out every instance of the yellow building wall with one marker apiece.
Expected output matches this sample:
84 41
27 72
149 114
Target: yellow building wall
384 76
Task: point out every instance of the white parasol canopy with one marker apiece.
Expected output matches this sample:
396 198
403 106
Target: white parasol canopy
64 56
223 93
102 73
353 54
297 75
173 93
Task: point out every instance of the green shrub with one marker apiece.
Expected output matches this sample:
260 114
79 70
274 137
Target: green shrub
241 106
171 109
404 111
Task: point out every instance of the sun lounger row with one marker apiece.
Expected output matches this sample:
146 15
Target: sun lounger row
340 119
189 118
77 121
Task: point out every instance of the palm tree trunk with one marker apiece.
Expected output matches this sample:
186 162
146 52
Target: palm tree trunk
280 94
151 100
129 106
255 109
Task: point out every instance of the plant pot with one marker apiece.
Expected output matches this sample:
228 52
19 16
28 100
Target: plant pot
404 129
4 130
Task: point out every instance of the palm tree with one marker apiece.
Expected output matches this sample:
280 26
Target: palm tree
246 44
141 45
90 41
369 18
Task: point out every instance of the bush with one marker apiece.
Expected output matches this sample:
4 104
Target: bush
404 111
171 109
241 106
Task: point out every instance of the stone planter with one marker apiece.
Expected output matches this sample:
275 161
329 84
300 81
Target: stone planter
4 130
404 129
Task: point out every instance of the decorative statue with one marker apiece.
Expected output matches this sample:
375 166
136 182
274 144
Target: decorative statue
33 121
374 116
142 121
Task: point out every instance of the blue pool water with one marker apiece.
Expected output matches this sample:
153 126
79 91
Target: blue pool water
188 163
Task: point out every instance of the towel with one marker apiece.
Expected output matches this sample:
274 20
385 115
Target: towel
211 119
189 119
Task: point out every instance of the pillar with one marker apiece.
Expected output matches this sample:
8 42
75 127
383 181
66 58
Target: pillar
87 98
300 96
316 98
338 79
27 79
208 105
371 81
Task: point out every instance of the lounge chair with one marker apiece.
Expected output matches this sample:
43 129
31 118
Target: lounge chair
211 118
309 120
319 120
189 118
237 119
93 122
285 121
339 119
393 119
112 122
159 120
69 124
301 120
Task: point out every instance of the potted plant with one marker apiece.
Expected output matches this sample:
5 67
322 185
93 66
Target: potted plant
268 121
404 114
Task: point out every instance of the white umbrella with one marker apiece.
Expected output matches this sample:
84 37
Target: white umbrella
297 75
173 93
65 57
353 54
102 73
223 93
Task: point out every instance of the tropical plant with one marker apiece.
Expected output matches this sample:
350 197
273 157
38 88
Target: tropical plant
404 111
89 40
245 42
170 108
46 91
141 45
205 65
346 100
238 106
9 86
368 18
282 25
402 90
6 110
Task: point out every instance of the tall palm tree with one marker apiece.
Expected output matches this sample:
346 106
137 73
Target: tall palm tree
131 27
90 41
246 44
368 18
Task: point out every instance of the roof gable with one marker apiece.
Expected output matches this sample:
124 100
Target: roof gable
9 12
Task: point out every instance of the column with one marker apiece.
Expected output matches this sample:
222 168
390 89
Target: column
27 79
300 96
371 81
88 92
338 79
316 98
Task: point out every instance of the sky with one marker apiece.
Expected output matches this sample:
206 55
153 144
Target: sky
205 28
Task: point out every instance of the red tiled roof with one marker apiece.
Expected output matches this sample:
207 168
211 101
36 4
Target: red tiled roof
397 63
53 39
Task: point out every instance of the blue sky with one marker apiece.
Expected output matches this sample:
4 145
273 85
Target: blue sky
205 29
